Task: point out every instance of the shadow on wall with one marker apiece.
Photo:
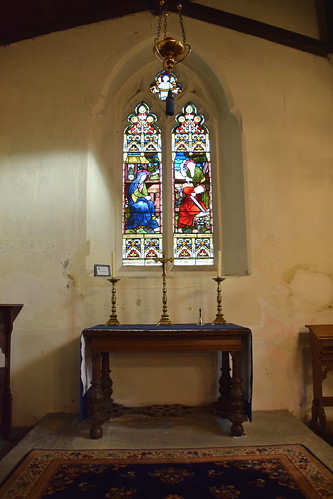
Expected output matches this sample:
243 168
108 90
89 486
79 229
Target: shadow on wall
51 383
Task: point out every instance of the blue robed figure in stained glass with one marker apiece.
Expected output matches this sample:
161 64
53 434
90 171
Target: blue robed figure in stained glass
142 208
142 188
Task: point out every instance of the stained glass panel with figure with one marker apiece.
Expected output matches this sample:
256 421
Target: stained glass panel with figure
192 190
142 188
164 83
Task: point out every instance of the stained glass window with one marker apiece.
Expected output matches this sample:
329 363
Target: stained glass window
142 188
192 190
191 208
163 83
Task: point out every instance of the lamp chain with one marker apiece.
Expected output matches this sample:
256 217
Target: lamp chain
165 13
165 23
159 26
181 22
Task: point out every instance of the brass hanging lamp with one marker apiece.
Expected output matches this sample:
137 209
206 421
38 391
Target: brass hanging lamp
169 50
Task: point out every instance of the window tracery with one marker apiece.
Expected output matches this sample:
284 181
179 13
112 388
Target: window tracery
191 186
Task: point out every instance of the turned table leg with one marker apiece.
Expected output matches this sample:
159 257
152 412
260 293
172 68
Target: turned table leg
106 381
319 374
224 383
96 398
237 397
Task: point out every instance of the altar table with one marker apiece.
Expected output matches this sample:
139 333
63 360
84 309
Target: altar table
235 383
321 344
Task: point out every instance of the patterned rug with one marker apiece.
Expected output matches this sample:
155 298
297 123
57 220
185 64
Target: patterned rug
279 472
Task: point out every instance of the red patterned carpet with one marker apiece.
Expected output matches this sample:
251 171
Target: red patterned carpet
280 472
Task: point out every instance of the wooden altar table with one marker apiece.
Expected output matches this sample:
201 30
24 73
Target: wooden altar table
321 345
8 314
235 382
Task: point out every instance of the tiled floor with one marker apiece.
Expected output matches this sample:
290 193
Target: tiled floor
64 431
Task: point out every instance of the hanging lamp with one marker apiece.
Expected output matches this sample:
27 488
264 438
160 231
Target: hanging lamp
169 50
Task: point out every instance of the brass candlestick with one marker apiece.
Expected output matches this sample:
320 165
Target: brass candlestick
164 317
113 321
219 319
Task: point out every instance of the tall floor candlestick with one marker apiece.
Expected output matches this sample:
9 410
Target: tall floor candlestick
219 319
113 321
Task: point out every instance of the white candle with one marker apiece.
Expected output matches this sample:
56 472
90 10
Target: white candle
219 263
113 265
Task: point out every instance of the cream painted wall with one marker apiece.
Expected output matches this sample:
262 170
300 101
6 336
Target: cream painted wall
58 198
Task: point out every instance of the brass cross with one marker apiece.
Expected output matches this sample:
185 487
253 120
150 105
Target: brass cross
164 260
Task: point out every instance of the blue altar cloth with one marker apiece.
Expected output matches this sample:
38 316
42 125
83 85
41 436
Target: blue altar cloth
247 362
167 327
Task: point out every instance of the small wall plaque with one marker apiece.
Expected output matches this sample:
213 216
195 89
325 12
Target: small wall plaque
102 270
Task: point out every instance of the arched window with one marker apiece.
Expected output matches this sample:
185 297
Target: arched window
142 188
128 85
192 190
191 204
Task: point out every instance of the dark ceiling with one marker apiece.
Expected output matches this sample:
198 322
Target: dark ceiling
24 19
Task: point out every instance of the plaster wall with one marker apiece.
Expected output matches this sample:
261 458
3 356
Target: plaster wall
59 199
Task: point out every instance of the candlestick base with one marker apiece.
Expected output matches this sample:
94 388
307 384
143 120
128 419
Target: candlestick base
164 320
219 319
113 321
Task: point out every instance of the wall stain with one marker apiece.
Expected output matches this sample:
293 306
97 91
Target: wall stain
71 282
66 263
290 274
302 280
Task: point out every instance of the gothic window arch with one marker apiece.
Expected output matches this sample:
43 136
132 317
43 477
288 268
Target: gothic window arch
182 151
126 86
